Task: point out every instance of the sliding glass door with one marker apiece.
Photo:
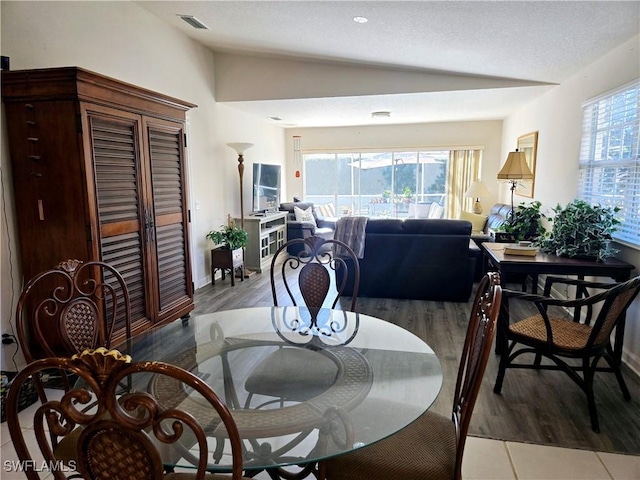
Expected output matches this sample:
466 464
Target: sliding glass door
376 184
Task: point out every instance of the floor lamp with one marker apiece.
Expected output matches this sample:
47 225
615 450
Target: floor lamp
514 170
240 148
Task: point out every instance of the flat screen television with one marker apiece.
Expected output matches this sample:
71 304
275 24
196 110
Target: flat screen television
266 187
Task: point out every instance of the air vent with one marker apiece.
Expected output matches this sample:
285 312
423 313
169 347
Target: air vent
194 22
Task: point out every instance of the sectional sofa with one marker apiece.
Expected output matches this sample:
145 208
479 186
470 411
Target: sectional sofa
424 259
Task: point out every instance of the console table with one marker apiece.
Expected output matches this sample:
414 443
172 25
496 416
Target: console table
545 263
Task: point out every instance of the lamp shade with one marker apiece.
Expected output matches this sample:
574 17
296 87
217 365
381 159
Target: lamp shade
477 189
240 147
515 168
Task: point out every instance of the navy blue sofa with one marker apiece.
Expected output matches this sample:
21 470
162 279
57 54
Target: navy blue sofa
424 259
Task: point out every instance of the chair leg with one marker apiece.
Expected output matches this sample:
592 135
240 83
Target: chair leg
502 368
538 360
589 373
618 372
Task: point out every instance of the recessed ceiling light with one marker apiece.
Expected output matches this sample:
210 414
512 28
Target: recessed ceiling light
277 119
360 19
381 114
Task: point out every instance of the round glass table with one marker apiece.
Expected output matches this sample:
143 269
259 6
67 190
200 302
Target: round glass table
302 385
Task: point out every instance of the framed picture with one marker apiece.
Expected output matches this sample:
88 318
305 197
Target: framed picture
529 145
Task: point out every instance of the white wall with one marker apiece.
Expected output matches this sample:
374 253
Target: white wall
557 116
124 41
450 134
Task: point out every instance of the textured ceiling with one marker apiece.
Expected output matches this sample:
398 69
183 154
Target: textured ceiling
545 41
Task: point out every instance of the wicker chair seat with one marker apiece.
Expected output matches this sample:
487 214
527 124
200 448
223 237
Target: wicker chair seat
567 335
284 370
432 456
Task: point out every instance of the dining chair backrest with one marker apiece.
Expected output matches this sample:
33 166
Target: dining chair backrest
475 355
121 436
617 300
307 273
72 307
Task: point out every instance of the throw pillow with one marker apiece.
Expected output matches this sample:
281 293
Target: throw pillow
305 215
326 210
435 210
477 221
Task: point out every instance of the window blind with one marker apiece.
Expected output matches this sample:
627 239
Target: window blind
609 167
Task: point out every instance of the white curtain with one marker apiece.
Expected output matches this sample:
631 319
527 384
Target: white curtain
464 168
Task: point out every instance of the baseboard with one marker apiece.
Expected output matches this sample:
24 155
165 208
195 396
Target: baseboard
632 361
202 282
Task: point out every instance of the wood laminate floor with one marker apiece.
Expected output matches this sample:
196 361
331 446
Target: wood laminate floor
537 407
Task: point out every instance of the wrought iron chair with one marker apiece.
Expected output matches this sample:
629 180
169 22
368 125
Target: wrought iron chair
433 445
122 436
307 275
550 333
310 268
72 307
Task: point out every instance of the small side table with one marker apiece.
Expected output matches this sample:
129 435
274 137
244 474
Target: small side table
224 259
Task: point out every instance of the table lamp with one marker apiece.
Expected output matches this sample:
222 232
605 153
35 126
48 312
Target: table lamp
514 170
476 190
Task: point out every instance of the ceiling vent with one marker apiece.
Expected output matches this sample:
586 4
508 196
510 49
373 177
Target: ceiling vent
194 22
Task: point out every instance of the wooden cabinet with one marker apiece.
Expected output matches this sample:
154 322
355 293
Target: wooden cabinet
99 174
266 234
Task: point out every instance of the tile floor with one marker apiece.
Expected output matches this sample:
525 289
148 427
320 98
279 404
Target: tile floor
484 459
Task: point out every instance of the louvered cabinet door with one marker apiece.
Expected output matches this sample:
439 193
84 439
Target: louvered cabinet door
115 153
165 151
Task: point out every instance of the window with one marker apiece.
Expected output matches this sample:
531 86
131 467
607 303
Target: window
376 184
609 168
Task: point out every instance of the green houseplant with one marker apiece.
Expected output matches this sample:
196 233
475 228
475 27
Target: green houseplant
582 230
231 237
525 223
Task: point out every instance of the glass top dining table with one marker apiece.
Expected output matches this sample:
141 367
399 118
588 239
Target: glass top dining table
328 381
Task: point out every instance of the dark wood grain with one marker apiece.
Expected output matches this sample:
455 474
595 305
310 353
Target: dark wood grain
99 174
534 407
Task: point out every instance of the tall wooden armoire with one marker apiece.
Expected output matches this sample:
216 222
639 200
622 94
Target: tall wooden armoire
99 174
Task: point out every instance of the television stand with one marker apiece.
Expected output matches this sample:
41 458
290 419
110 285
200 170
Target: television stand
266 234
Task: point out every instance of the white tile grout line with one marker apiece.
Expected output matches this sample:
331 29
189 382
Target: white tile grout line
513 465
605 466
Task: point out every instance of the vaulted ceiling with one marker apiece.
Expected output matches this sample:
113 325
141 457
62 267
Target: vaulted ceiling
309 63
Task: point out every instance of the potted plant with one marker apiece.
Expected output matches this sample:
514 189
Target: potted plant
408 194
228 253
228 237
582 230
525 223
